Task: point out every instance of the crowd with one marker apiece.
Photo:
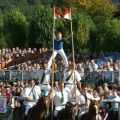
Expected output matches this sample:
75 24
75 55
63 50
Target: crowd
97 77
16 58
62 93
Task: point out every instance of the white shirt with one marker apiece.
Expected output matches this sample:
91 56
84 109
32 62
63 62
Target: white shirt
93 67
114 105
29 94
57 99
82 100
39 74
71 80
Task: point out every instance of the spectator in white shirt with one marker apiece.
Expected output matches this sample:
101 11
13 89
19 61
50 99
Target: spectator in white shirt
31 95
113 112
93 66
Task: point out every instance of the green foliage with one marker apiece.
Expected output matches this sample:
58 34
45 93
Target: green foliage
46 2
63 3
94 26
82 25
1 24
33 2
107 37
2 39
96 7
112 36
16 28
40 30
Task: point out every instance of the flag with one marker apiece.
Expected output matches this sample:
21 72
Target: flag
58 13
66 14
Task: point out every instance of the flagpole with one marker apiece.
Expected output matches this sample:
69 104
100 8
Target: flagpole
73 53
53 61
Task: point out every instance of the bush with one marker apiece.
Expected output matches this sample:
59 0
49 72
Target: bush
16 29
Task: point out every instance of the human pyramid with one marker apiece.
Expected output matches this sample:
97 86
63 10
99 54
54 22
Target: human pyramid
63 91
67 88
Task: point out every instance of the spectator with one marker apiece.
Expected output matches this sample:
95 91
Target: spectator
8 94
113 111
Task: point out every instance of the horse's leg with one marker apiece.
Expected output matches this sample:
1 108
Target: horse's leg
18 114
27 117
14 114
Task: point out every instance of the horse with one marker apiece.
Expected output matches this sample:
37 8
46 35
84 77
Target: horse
39 111
69 112
93 113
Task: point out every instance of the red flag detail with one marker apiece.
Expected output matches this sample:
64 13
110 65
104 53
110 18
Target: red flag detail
67 14
58 13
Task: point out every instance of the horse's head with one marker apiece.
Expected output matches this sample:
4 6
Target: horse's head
94 107
71 109
44 99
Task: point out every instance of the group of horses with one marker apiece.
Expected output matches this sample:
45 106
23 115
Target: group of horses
41 111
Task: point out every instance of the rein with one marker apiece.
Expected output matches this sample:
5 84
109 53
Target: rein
32 90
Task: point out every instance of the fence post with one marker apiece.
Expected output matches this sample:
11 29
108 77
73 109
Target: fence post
10 75
22 74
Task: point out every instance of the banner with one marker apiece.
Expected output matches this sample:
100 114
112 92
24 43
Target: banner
3 104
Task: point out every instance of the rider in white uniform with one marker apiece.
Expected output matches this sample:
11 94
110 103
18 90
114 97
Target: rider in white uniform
31 95
69 78
44 78
60 97
84 100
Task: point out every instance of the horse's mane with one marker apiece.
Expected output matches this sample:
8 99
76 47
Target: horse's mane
67 113
92 108
91 114
38 111
41 103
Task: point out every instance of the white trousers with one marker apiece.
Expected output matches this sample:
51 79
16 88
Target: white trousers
69 88
45 87
63 55
57 110
28 106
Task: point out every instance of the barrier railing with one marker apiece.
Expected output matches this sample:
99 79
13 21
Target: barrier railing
96 77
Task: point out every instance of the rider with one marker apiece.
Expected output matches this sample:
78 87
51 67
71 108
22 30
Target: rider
60 98
84 99
31 95
44 78
69 78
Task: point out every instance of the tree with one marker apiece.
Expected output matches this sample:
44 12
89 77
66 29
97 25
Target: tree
2 39
40 30
96 7
16 29
82 26
107 36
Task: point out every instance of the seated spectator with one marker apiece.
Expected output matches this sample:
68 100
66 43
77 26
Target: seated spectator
96 95
113 111
93 66
105 87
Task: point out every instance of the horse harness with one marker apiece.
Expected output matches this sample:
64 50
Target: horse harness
32 90
85 108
